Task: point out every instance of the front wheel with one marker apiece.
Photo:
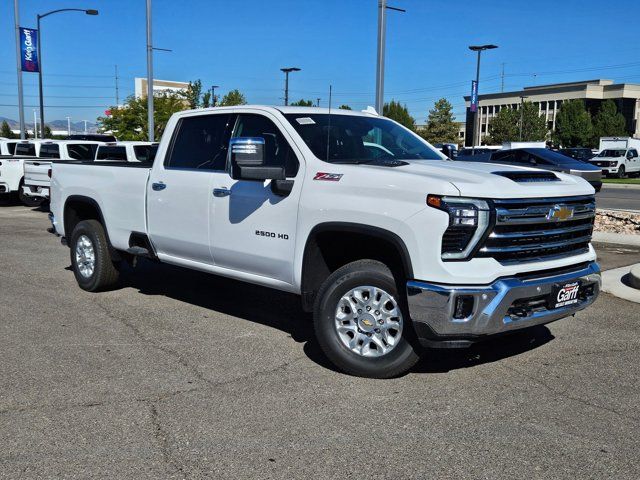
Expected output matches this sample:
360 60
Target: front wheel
361 324
90 257
621 172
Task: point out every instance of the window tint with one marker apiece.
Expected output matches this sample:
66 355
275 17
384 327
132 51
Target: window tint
50 151
201 143
117 153
277 150
12 148
82 151
507 156
634 153
28 149
145 153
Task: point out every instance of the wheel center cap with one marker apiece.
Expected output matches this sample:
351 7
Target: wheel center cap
366 322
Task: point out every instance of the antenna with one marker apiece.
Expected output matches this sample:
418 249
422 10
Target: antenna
117 93
329 123
502 79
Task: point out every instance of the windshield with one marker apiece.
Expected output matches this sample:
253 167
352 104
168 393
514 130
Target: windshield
355 138
612 153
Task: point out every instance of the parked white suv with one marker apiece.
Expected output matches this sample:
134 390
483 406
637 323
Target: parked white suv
391 252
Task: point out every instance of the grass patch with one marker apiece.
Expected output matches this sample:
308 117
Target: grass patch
633 181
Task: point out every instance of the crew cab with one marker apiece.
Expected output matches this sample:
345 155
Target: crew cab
392 253
618 157
129 151
7 146
37 172
14 153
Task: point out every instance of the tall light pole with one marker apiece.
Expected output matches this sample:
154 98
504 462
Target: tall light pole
479 49
213 94
87 12
151 126
16 15
287 71
382 34
68 125
522 97
35 125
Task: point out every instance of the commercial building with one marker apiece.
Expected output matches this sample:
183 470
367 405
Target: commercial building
159 86
549 99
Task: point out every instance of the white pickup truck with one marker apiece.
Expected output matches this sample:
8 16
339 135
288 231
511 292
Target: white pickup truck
128 151
618 157
391 252
14 153
37 172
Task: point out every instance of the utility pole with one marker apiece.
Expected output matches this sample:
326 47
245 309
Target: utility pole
318 102
35 125
117 89
287 71
85 127
151 129
16 13
382 34
68 125
502 79
213 94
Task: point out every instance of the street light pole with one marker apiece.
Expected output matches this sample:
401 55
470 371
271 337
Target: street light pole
522 97
16 13
479 49
39 17
151 126
68 125
382 35
213 94
287 71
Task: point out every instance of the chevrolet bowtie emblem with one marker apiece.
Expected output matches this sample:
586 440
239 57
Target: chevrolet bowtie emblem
560 213
367 323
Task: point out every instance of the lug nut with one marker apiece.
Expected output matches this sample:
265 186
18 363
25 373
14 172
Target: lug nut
377 330
368 308
368 334
380 322
359 310
377 312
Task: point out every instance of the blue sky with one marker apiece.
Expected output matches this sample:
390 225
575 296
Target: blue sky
243 43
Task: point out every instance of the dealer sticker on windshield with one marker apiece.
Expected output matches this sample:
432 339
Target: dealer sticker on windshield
564 295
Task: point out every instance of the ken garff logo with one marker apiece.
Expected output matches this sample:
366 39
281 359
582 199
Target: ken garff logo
560 213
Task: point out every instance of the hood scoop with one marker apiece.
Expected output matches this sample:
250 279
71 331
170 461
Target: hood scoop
529 177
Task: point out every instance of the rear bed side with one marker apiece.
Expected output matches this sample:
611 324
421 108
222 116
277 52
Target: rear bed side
113 194
11 173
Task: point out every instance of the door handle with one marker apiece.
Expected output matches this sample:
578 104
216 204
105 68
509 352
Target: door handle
221 192
158 186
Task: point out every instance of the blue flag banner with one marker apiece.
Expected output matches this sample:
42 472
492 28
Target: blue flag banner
474 96
29 50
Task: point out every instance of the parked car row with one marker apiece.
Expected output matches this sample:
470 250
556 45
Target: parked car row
25 165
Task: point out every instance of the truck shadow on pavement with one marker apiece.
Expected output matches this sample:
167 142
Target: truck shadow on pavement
282 311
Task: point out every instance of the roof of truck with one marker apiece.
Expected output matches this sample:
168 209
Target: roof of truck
370 112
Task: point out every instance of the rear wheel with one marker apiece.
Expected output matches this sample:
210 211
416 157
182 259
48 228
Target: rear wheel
92 264
361 323
28 201
621 172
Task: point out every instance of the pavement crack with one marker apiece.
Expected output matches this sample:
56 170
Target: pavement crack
161 437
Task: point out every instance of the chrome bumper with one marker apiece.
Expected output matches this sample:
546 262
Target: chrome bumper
35 191
507 304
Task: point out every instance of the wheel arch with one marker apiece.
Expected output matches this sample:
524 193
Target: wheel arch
80 207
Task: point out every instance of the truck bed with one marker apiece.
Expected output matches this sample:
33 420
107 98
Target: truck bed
117 187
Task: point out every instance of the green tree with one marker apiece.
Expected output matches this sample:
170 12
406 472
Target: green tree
5 130
573 125
234 97
206 99
302 103
441 127
129 121
344 107
608 122
534 125
47 132
399 113
193 93
506 125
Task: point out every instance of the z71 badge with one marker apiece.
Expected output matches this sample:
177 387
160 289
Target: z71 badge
328 177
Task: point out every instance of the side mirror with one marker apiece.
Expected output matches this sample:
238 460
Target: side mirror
247 160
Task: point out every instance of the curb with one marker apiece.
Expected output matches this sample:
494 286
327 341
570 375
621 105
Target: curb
612 282
634 186
617 238
634 276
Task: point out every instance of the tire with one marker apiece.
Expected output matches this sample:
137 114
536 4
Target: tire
331 309
28 201
621 172
90 258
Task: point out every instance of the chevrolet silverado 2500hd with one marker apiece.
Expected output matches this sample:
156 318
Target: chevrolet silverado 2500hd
392 248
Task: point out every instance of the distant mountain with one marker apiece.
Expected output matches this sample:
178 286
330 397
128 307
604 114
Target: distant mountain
54 125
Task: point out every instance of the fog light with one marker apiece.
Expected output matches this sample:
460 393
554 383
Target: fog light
464 307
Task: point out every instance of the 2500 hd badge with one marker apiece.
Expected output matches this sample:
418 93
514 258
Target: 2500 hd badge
262 233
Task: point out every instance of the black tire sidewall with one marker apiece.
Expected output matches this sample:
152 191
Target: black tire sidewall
28 201
391 364
100 249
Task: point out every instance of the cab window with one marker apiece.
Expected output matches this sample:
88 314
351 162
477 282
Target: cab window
277 150
27 149
115 153
50 151
82 151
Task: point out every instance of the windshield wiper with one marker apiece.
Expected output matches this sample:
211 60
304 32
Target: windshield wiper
353 161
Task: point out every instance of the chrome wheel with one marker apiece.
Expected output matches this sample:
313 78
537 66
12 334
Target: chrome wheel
368 321
85 256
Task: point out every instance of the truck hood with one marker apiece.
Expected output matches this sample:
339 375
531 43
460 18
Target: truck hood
475 179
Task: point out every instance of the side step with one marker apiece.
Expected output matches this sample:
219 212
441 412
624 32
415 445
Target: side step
140 252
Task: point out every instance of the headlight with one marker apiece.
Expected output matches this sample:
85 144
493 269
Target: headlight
468 221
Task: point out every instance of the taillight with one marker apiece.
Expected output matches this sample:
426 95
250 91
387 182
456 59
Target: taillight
49 172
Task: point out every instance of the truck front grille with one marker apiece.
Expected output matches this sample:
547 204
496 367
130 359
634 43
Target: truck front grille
539 229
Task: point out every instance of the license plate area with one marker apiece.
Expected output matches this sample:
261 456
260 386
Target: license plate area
564 294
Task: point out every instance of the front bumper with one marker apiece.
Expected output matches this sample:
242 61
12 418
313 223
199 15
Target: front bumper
35 191
505 305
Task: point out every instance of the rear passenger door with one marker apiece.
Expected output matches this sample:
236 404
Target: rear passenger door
179 195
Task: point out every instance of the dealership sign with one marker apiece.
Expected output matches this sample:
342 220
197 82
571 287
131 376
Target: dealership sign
474 96
29 50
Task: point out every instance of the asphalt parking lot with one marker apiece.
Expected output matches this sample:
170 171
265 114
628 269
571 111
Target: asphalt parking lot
180 374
